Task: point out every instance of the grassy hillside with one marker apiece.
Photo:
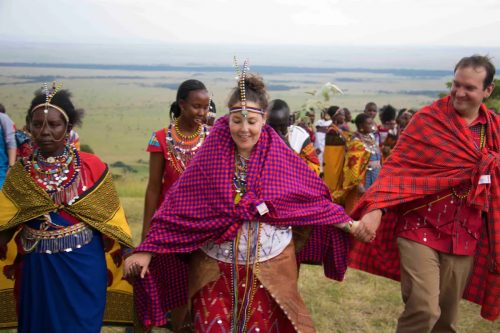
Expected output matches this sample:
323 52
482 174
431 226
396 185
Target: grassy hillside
124 108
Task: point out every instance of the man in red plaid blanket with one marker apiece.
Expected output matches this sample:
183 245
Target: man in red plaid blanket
440 189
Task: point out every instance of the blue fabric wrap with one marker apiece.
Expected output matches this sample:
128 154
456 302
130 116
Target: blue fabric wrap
4 159
65 291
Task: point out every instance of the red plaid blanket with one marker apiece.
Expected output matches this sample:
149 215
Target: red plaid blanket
436 151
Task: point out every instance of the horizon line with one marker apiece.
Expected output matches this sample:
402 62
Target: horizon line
218 68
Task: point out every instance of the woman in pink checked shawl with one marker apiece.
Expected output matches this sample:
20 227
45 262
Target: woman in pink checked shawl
230 218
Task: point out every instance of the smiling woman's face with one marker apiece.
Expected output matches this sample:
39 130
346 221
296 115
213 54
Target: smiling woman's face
245 131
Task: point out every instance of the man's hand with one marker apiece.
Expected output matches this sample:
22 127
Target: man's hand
368 226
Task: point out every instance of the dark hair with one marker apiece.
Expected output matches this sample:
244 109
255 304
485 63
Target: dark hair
183 94
255 91
387 113
400 112
369 104
476 61
348 116
360 120
62 100
278 104
2 108
332 110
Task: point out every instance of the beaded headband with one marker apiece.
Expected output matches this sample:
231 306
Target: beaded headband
241 76
49 94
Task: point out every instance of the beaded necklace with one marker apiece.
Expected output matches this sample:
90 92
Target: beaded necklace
369 142
241 315
181 149
182 135
482 141
59 175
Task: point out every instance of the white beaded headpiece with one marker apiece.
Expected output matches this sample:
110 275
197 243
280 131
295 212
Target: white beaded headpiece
241 76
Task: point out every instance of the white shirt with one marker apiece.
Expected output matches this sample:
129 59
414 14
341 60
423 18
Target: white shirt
296 137
273 240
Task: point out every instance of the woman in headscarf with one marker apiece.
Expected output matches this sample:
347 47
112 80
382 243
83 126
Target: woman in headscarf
72 230
232 211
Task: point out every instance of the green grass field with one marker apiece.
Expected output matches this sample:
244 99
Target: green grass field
121 115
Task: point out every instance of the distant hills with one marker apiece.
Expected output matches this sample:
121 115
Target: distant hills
258 69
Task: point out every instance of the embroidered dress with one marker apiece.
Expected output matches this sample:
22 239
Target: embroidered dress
68 254
361 167
200 208
237 301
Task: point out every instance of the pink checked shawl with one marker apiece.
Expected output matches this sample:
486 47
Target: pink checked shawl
200 207
434 153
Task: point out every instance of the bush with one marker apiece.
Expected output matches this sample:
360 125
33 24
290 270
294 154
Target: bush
87 149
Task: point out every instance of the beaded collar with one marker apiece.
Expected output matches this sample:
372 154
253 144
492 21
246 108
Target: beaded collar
59 176
181 148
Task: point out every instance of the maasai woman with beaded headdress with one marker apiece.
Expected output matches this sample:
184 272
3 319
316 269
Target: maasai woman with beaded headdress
171 150
71 232
229 218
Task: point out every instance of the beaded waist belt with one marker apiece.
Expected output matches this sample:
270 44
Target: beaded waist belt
53 241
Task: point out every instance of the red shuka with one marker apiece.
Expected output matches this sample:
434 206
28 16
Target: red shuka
435 152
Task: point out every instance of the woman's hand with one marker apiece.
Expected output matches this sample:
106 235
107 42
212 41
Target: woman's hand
368 226
354 227
137 265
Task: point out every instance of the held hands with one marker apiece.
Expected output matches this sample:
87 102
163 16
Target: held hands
137 265
368 226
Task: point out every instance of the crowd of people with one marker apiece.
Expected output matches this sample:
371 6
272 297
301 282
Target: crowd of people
234 207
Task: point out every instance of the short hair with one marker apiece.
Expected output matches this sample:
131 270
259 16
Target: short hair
2 108
332 110
61 99
370 104
387 113
360 119
278 104
476 61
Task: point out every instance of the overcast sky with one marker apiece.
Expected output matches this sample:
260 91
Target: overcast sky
324 22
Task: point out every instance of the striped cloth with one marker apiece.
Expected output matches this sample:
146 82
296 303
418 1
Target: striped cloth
435 152
200 207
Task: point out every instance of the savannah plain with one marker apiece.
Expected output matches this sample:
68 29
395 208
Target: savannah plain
123 108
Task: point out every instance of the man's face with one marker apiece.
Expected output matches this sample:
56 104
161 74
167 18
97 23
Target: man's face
467 90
